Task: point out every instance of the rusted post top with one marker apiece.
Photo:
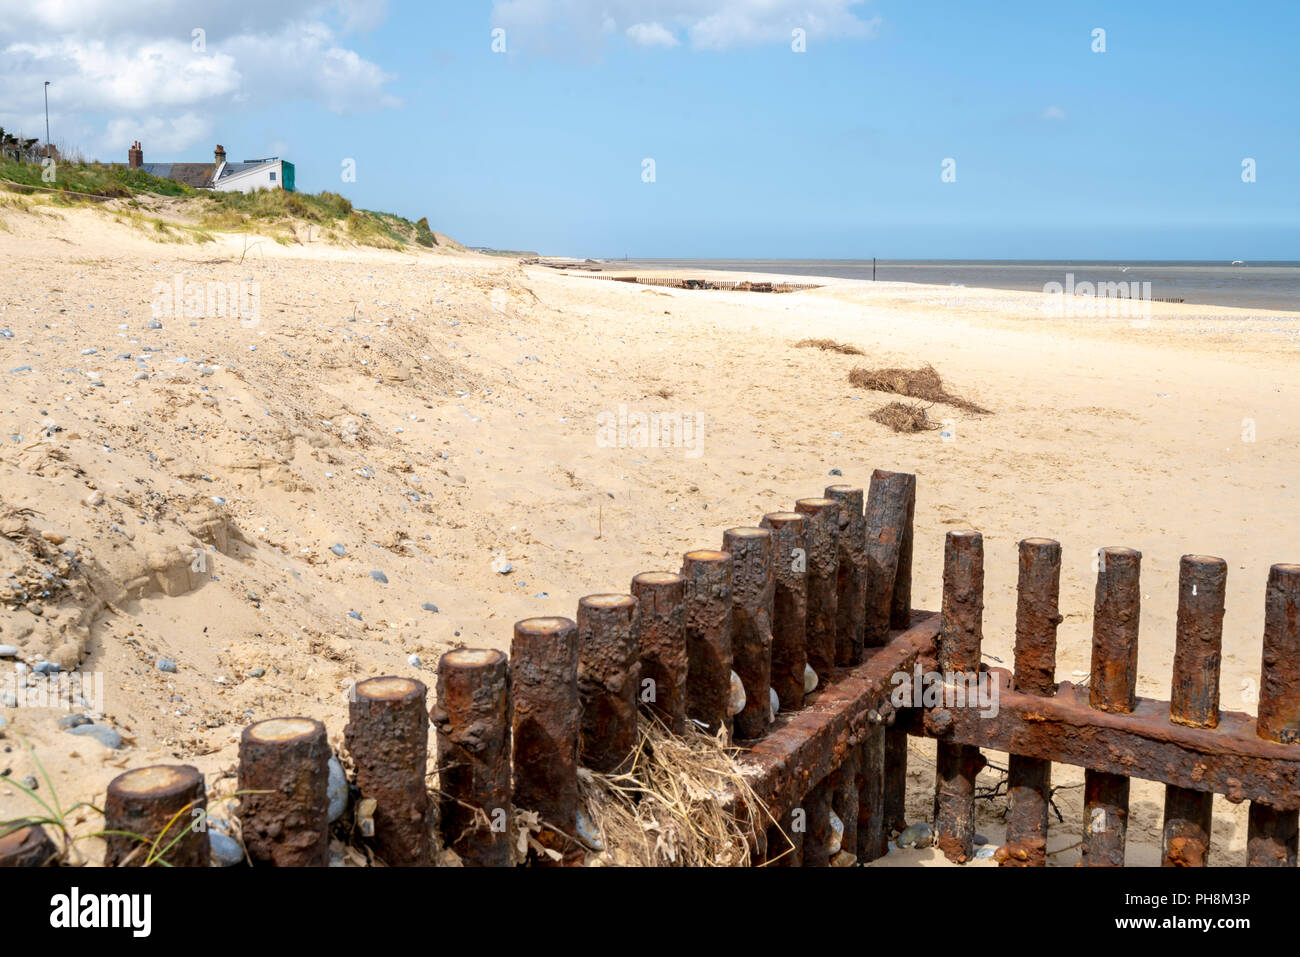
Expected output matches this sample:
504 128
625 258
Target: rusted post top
1037 615
162 801
661 625
609 672
544 689
851 583
388 737
821 542
790 607
888 515
706 575
472 721
1115 630
284 772
1279 692
1194 698
963 602
753 591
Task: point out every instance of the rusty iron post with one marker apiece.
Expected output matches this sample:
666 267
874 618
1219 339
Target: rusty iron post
661 626
789 607
545 727
851 578
387 735
817 837
284 812
471 719
156 805
873 824
706 576
1194 700
846 801
1029 780
895 760
752 595
957 765
1113 688
1271 836
609 675
891 502
28 846
821 541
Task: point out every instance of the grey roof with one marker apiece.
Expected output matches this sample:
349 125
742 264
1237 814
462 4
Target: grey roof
197 175
234 169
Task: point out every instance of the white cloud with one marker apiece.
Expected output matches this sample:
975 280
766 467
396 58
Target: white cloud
116 68
709 24
1053 113
651 35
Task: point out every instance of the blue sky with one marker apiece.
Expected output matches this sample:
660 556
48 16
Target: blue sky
759 151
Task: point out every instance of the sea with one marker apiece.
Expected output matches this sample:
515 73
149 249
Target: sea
1252 285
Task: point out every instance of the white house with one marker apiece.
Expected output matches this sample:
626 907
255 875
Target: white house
268 173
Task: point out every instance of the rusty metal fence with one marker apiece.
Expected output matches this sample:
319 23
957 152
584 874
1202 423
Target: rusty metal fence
811 607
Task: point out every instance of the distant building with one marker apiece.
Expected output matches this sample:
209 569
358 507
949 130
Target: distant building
268 173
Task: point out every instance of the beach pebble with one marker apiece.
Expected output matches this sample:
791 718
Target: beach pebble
354 615
773 703
836 472
8 651
94 499
154 324
45 668
809 679
31 783
985 851
337 789
257 673
101 733
916 835
379 577
73 721
737 702
429 606
166 664
413 661
501 565
587 831
9 699
338 550
837 834
226 851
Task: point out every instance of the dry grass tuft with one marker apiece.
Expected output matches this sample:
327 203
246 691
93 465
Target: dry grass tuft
905 417
829 345
674 808
923 383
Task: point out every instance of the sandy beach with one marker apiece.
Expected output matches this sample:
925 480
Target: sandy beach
334 491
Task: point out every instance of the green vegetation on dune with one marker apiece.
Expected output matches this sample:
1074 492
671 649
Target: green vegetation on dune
272 212
97 179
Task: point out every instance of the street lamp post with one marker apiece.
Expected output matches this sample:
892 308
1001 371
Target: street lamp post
47 119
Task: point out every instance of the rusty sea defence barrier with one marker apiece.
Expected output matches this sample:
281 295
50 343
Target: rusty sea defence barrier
825 590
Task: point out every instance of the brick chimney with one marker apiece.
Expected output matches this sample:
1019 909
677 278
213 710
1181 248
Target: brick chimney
220 154
135 156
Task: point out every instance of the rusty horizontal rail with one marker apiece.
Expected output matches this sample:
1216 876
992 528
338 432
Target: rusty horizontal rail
1229 760
803 746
